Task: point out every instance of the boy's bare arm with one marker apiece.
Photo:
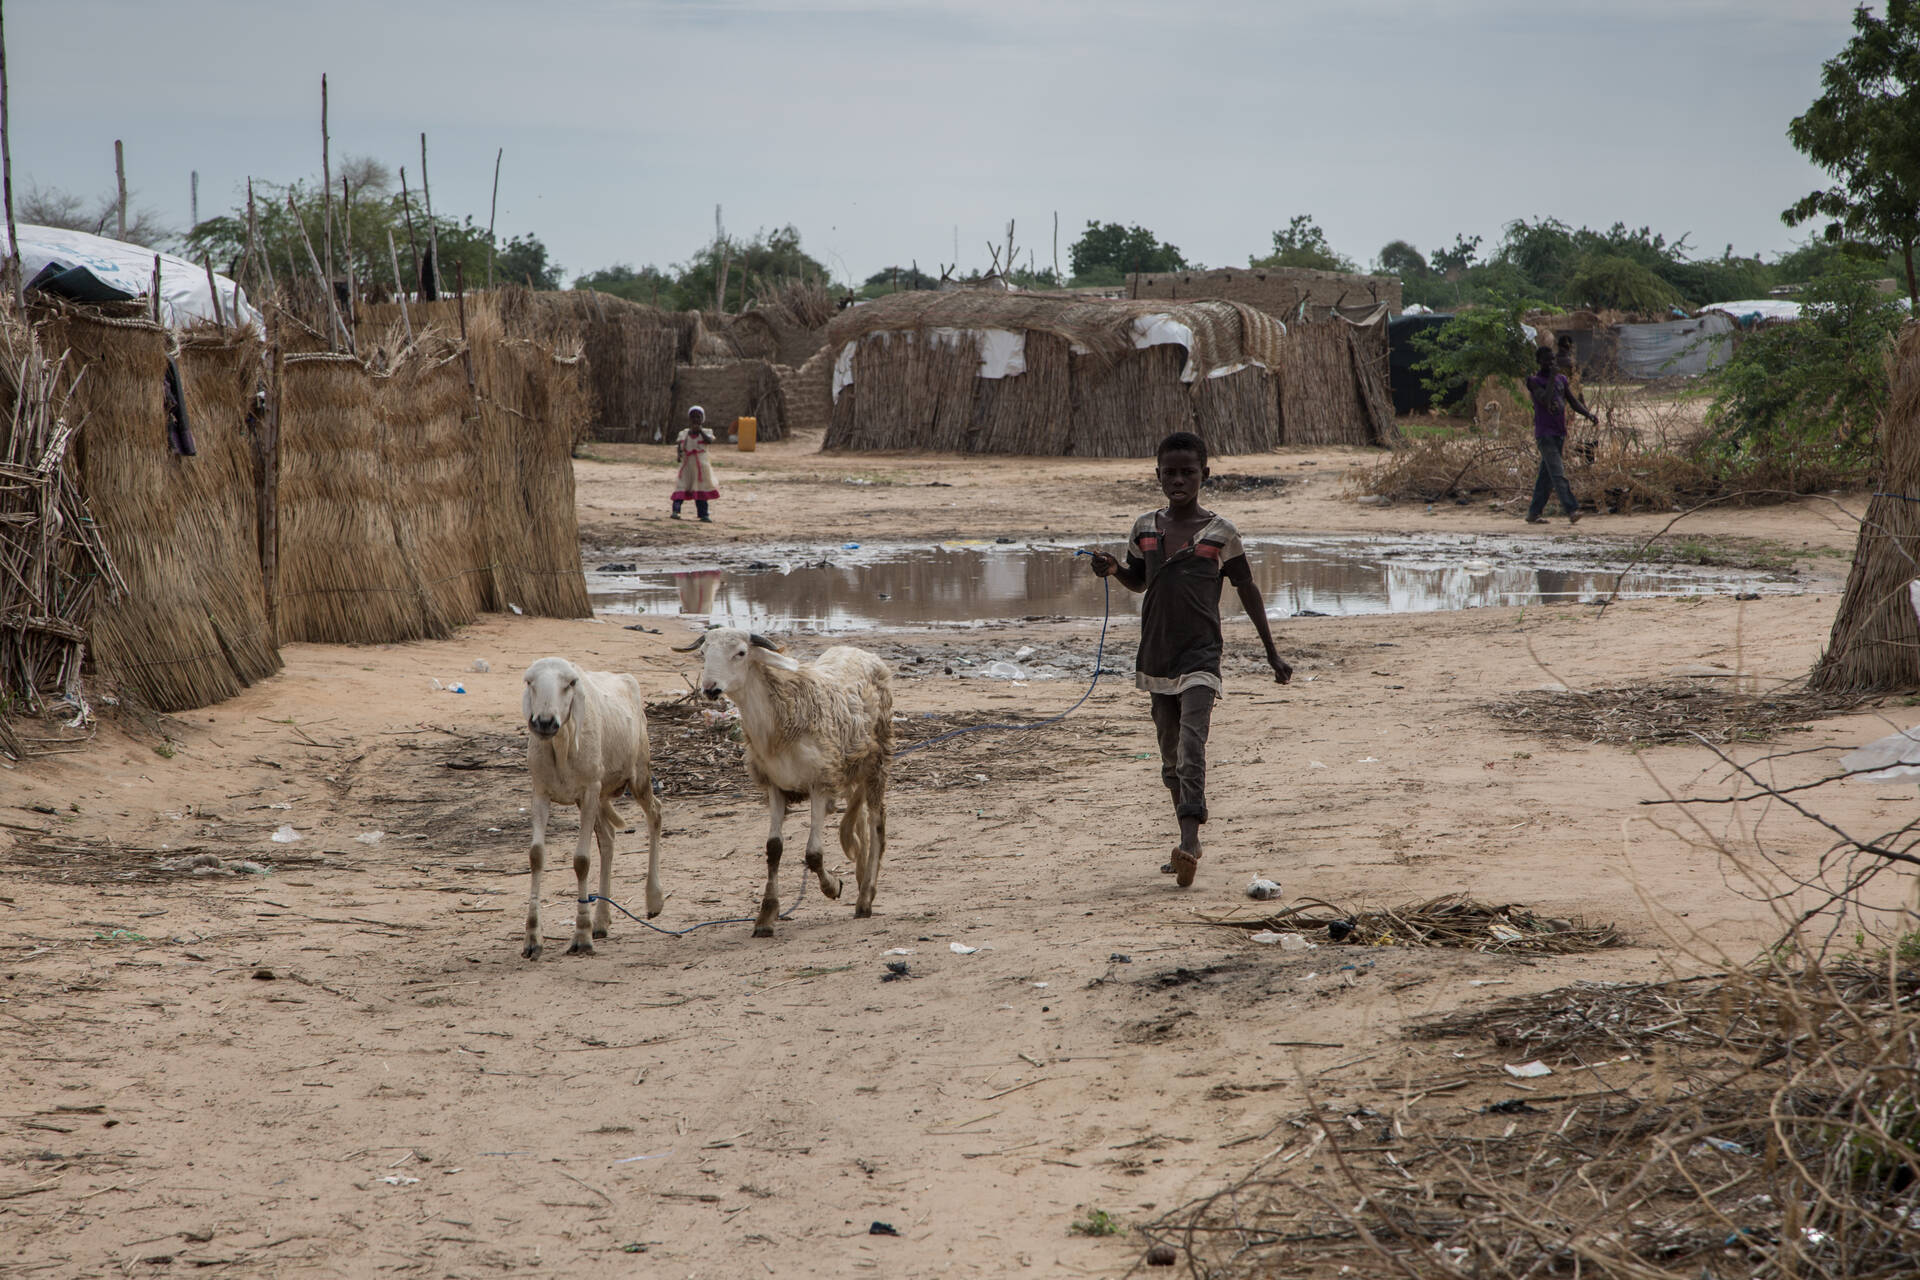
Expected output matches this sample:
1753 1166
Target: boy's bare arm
1256 607
1110 566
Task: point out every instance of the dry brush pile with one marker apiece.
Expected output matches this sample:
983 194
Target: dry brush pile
1758 1120
1754 1124
1650 453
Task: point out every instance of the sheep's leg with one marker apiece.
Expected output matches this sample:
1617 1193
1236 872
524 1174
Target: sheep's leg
536 862
854 843
770 898
650 805
816 863
603 829
876 844
582 864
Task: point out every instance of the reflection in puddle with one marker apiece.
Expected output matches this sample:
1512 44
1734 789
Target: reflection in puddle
829 589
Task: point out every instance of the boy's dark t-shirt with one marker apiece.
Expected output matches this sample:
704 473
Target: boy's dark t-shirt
1549 394
1180 614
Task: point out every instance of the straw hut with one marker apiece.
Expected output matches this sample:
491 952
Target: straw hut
344 574
808 392
728 392
1875 645
1286 293
191 627
982 372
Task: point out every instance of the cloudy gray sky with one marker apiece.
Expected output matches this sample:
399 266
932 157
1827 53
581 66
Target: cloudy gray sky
879 128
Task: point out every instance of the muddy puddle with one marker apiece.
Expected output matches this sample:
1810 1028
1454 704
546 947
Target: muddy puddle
832 588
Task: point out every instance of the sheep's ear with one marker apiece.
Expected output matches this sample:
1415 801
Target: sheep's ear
690 648
761 642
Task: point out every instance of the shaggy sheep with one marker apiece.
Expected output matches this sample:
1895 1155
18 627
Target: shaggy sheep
588 742
815 731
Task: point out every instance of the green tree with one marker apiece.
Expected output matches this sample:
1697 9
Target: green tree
1484 342
1619 283
1815 388
1303 244
1400 258
377 211
1864 131
770 257
1454 261
1111 249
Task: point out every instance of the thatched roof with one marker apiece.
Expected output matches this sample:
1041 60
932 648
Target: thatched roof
1224 333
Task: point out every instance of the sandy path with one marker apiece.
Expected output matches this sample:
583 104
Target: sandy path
163 1102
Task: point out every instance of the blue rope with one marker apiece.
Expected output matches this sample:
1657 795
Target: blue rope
1099 654
704 924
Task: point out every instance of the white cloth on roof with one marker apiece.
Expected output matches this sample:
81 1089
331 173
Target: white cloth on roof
1003 352
1765 308
184 294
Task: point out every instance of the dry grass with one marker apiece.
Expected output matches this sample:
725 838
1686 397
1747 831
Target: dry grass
1453 920
1752 1124
1633 715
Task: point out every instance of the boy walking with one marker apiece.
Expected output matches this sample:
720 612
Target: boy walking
1551 392
1179 556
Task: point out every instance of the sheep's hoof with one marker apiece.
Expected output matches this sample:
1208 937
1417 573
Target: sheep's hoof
530 952
763 931
830 886
580 948
863 913
651 914
599 934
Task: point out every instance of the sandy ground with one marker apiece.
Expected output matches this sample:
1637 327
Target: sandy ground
342 1065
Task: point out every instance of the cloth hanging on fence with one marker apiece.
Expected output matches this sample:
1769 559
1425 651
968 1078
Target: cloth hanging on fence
179 430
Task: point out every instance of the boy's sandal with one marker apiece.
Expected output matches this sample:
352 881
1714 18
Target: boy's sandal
1185 865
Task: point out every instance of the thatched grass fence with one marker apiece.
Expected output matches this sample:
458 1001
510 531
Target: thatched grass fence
191 628
919 382
346 502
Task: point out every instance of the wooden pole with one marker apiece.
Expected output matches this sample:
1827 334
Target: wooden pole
413 246
326 285
6 176
219 318
156 288
433 235
492 209
266 446
353 288
399 286
253 241
194 201
460 303
1059 281
326 190
120 177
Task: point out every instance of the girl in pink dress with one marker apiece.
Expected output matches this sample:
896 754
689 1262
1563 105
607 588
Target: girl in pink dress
696 471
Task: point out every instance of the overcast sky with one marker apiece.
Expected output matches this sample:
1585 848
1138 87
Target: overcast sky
878 129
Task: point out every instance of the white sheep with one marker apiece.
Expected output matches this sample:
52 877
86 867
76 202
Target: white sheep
816 731
588 743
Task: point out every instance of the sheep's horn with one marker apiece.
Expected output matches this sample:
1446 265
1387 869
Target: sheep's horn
697 642
761 642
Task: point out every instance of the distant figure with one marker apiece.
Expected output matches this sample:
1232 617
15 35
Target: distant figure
696 471
1181 556
1552 394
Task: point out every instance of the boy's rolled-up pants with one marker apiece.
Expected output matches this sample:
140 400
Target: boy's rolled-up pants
1181 720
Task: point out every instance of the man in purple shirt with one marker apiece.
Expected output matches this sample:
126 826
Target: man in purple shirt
1552 393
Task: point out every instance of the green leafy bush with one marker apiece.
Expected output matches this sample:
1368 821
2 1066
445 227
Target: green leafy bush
1811 392
1486 342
